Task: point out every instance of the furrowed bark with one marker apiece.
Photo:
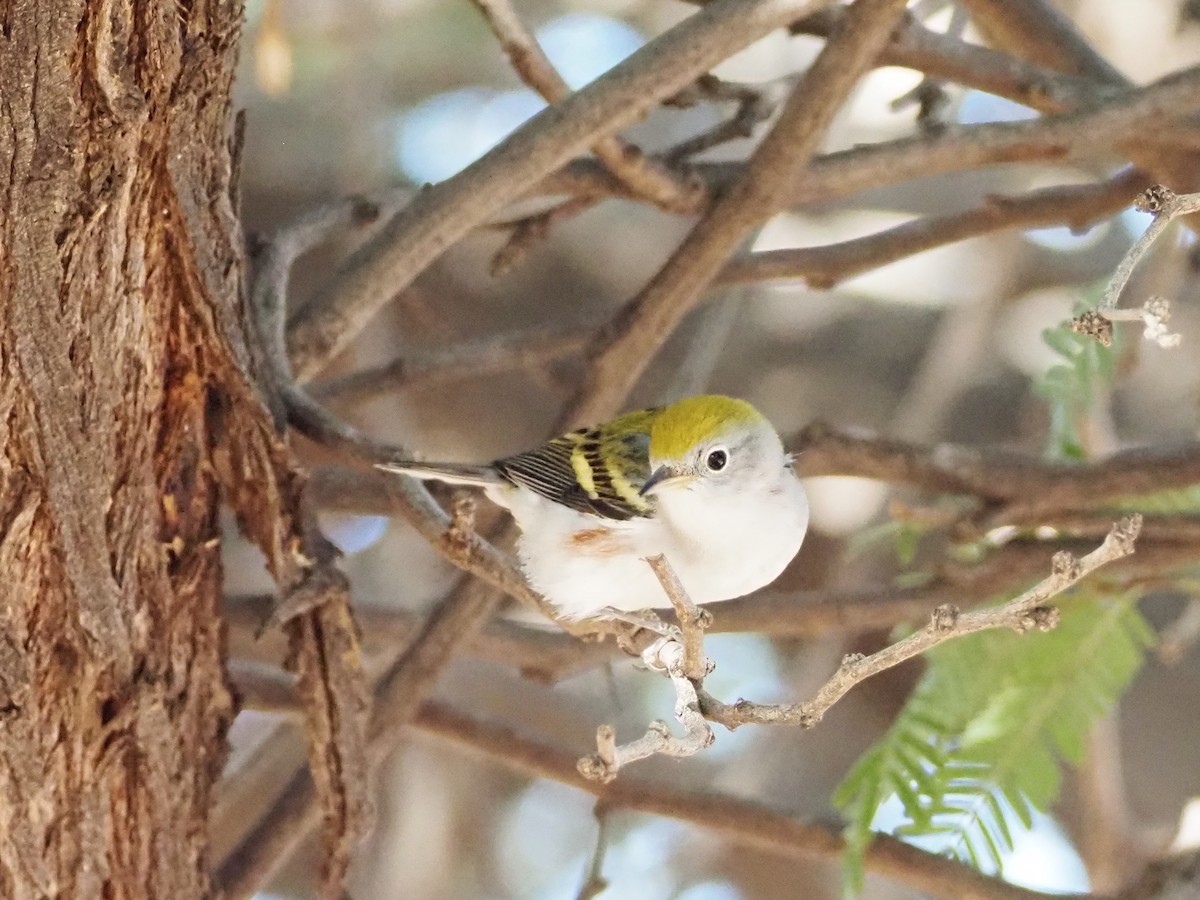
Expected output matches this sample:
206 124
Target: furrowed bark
122 371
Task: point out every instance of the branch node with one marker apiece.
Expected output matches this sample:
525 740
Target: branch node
945 617
1065 564
1040 618
1125 532
1154 199
1094 324
458 541
364 211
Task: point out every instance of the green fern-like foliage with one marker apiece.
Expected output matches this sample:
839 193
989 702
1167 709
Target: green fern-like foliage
1069 387
983 737
1183 501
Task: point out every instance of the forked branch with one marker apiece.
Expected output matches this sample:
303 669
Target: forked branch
1026 612
1166 206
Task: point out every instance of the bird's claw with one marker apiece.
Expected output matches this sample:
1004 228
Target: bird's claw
646 619
667 655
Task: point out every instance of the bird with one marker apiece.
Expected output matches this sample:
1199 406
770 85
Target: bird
705 481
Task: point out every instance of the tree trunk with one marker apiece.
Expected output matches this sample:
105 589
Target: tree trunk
120 271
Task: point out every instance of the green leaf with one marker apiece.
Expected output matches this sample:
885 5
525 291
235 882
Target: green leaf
1069 387
983 738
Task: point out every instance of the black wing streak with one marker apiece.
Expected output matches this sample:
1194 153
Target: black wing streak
548 471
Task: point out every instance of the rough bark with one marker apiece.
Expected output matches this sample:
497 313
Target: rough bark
121 366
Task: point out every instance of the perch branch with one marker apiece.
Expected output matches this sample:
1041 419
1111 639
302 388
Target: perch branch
683 661
1022 613
692 619
610 757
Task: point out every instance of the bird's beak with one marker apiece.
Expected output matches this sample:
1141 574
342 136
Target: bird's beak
664 476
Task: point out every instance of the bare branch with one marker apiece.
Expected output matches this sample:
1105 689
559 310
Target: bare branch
645 176
1025 489
1040 31
692 620
610 757
472 359
273 839
594 883
539 654
742 822
622 354
443 213
753 107
1166 206
1037 29
527 232
1090 134
1021 614
1076 205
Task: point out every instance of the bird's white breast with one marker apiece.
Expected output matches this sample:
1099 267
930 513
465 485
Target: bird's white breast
582 563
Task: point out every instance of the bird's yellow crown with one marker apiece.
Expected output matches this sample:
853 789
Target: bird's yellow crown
681 427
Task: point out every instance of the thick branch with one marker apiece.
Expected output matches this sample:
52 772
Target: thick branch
1089 135
1027 488
740 821
622 353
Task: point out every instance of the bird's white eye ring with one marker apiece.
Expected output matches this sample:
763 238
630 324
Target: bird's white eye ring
717 459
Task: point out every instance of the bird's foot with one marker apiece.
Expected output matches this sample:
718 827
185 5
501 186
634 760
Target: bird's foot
646 619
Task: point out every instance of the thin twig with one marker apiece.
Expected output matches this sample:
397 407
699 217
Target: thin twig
594 883
645 176
692 619
539 654
929 95
754 106
527 232
1022 613
1166 206
610 757
470 359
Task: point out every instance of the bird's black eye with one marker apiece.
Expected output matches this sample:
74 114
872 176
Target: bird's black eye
717 460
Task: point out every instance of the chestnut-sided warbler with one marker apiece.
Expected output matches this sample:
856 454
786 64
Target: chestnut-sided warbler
704 481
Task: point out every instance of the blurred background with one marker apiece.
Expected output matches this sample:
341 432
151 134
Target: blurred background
346 96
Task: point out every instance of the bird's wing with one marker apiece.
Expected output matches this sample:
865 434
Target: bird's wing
593 470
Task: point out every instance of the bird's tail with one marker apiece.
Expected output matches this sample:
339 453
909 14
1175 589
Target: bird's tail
451 473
